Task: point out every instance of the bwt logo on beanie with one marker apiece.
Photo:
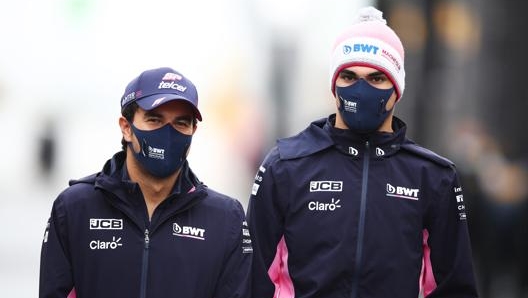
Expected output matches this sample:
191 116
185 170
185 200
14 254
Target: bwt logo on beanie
370 42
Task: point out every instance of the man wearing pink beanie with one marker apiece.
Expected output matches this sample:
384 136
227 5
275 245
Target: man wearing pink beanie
350 207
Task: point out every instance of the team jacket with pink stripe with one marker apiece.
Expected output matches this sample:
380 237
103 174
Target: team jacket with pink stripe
100 241
337 214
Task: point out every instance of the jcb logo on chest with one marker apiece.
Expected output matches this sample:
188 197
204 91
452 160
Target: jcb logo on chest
326 186
106 224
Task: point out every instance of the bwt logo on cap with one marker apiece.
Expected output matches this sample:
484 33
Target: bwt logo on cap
360 47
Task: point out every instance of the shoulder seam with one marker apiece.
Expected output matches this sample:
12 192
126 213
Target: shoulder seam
427 154
90 179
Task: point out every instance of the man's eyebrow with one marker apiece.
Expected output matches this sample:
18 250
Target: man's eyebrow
348 72
184 117
152 114
376 74
372 74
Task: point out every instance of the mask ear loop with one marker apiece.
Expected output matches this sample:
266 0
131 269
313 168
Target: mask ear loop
381 107
184 153
142 143
383 104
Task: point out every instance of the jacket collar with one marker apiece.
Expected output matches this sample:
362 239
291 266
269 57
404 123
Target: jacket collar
114 178
352 143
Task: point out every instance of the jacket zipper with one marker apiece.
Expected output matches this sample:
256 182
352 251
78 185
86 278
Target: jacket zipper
361 225
144 267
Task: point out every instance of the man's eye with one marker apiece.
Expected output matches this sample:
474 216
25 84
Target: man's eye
378 79
183 123
347 77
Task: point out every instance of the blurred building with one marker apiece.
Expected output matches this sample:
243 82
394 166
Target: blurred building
466 100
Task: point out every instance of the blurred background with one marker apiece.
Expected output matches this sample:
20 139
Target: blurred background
261 68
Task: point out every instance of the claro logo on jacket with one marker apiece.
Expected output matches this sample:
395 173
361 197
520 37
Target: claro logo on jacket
106 224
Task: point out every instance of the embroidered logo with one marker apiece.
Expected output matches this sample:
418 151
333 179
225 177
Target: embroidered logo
106 224
188 231
319 206
336 186
402 192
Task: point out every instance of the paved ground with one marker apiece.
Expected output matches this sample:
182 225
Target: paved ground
23 217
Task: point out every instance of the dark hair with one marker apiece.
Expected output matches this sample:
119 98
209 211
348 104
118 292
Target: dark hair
128 112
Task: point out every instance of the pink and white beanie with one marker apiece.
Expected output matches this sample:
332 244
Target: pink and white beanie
370 42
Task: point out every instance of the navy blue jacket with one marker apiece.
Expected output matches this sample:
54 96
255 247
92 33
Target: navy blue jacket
338 214
100 241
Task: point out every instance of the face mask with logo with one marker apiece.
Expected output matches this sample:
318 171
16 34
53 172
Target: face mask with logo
362 106
162 151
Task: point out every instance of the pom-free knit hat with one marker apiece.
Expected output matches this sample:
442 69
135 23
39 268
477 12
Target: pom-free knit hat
370 42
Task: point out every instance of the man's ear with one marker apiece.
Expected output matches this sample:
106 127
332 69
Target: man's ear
126 130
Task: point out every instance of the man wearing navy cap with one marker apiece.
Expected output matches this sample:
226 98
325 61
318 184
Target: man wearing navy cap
145 226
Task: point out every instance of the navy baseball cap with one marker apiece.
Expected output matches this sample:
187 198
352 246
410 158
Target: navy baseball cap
155 87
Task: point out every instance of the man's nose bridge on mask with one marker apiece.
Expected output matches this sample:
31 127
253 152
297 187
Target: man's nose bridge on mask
357 80
362 82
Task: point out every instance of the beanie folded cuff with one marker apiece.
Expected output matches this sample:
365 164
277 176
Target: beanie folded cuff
370 52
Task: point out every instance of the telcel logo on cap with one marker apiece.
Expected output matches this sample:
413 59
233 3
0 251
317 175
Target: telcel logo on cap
171 85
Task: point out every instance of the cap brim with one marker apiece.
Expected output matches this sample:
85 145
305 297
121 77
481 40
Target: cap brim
151 102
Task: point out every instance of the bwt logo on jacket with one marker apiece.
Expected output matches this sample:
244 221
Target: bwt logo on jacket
402 192
106 224
187 231
326 186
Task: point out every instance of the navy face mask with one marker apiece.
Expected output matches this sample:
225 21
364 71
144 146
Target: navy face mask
162 151
362 106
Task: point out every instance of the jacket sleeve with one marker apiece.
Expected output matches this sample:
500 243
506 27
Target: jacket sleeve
235 278
266 223
55 268
449 244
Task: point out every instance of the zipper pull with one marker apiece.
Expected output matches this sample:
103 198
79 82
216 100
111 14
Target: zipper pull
147 239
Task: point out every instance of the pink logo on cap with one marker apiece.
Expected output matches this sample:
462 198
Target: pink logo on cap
171 77
158 101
